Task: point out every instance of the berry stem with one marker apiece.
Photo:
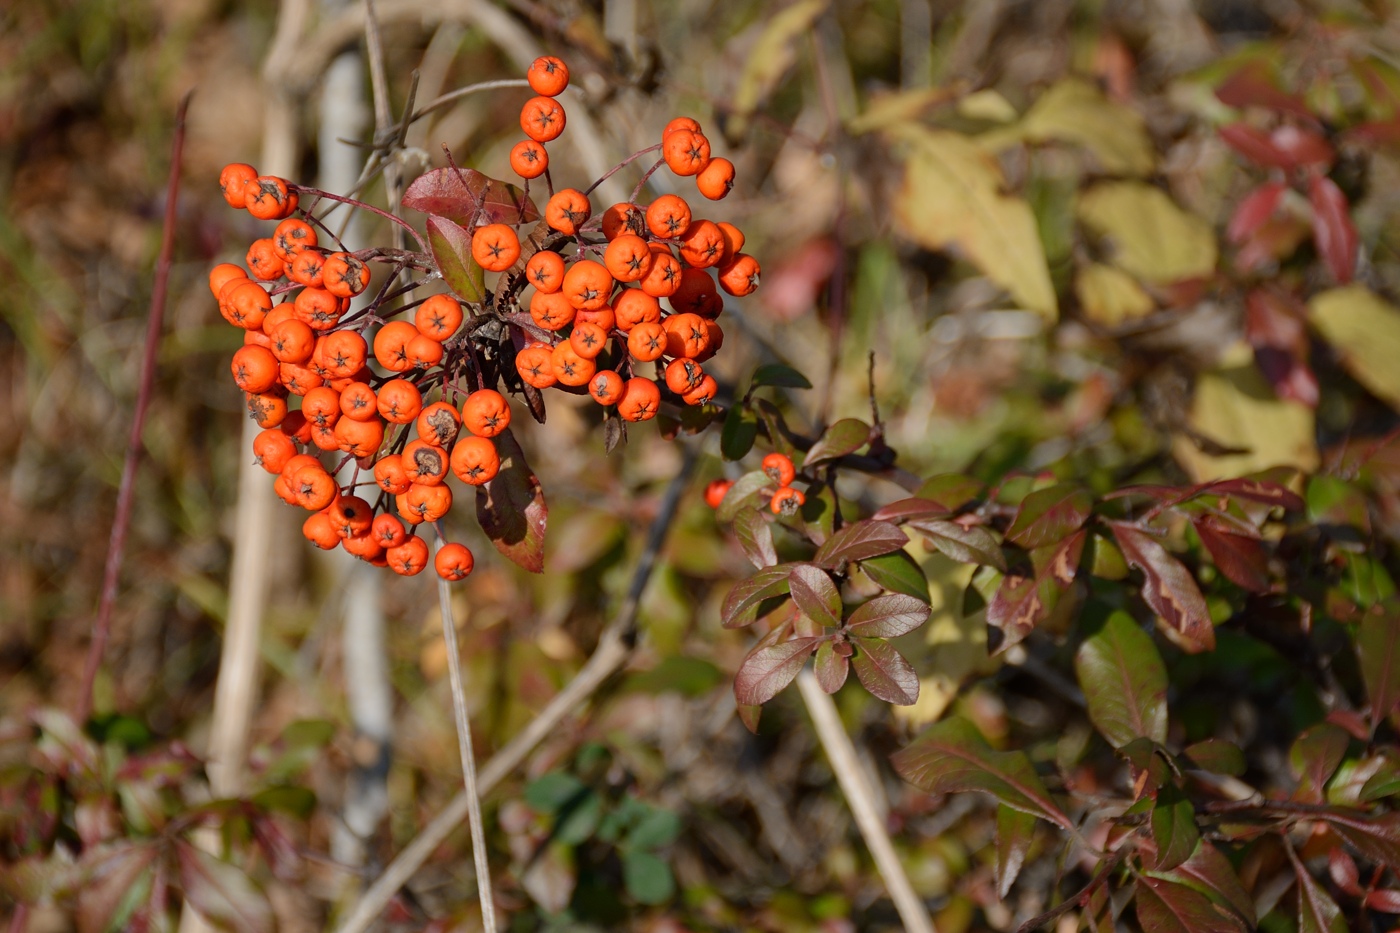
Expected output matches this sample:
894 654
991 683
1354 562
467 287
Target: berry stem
636 192
317 192
126 492
619 166
461 92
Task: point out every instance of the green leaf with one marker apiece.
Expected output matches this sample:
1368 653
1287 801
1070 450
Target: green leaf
769 58
741 605
1365 330
860 541
1173 827
452 252
511 508
815 594
648 878
743 494
952 757
888 616
843 437
298 801
688 676
776 374
1152 238
1015 833
1075 111
658 828
1050 515
1216 756
954 195
884 672
898 573
739 432
965 544
951 490
1314 757
1124 682
1378 648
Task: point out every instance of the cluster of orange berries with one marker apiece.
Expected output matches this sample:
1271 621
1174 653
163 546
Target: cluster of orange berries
785 500
301 348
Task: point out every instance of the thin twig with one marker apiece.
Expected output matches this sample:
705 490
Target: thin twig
842 755
614 649
461 92
464 746
126 492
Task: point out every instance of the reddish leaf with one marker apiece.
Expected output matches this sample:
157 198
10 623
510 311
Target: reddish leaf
1378 649
1342 867
1169 588
1021 603
1333 232
1314 757
511 508
109 873
1384 900
741 605
1302 146
843 437
452 251
1256 145
1211 873
1253 85
1015 833
770 668
1257 207
1317 912
756 538
831 667
952 757
1376 837
1171 907
914 507
1274 327
220 892
888 616
969 545
1124 682
884 672
469 198
1241 559
860 541
1258 490
1050 515
749 716
815 594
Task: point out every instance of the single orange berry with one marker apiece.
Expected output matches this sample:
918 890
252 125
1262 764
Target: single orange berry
716 179
409 559
605 387
475 460
787 501
495 247
640 400
716 491
528 159
486 413
344 276
545 271
686 151
438 424
627 258
779 468
438 318
567 210
234 178
542 119
587 285
453 562
390 475
292 237
668 216
680 123
548 76
535 366
740 275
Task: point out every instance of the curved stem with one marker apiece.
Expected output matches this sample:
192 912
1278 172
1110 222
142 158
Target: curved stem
461 92
619 166
316 192
642 184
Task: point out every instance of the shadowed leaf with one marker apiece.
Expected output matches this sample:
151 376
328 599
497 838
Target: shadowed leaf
968 545
511 508
1124 682
1169 588
913 507
452 251
741 605
899 573
737 435
1173 827
1317 912
776 374
953 490
770 668
221 892
756 538
815 594
1170 907
1314 757
1023 602
1376 837
1210 873
952 757
831 668
884 672
887 616
1216 756
113 876
1015 833
843 437
1378 648
860 541
1049 515
1242 559
743 494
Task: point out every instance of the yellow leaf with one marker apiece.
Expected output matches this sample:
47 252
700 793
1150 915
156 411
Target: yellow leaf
889 110
1366 331
952 197
1152 238
1074 111
1234 406
987 105
770 58
1109 296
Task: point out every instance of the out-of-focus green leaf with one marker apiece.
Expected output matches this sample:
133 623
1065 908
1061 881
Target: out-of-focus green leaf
221 892
776 374
656 829
769 59
739 432
1152 238
954 196
951 490
1314 757
1124 682
648 877
1216 756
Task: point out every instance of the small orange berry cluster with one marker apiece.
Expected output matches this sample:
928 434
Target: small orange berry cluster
785 500
370 400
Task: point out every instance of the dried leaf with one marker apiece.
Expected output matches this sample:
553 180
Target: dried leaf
770 668
815 594
954 195
884 672
511 508
1169 588
1110 296
769 59
1075 111
1153 238
952 757
1124 682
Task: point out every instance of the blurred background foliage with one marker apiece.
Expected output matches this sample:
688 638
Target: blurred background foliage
914 200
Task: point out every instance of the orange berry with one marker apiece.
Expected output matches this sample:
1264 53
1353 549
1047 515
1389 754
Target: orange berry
605 387
686 151
272 449
475 460
495 247
545 271
292 237
366 547
570 368
293 341
647 341
438 318
438 424
701 394
308 268
317 308
222 274
627 258
665 275
716 491
740 275
680 123
399 401
588 340
634 306
686 335
668 216
343 352
567 210
542 119
296 427
267 198
248 303
350 516
424 352
409 559
697 294
683 375
391 346
787 501
548 76
387 530
344 276
424 463
535 366
552 310
486 413
313 488
234 178
779 468
359 438
358 401
254 369
587 285
703 244
716 179
453 562
623 218
428 503
640 400
320 531
263 261
528 159
390 476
